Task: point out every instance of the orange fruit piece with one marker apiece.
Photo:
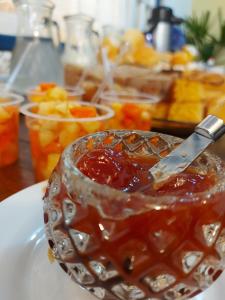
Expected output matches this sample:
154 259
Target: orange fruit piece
131 110
83 112
45 86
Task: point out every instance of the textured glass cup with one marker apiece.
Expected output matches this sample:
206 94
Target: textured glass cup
50 134
132 110
9 127
133 246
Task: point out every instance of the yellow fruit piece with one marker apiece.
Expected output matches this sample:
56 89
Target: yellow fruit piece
69 133
46 108
91 127
4 115
46 137
48 125
117 107
192 112
57 93
146 116
52 161
62 108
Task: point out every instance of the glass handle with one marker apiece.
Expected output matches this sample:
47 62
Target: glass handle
50 25
96 40
58 36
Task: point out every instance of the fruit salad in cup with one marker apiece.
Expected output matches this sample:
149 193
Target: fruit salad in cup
132 110
54 125
50 91
9 127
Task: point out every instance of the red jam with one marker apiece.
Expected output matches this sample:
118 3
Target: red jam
157 241
130 174
175 242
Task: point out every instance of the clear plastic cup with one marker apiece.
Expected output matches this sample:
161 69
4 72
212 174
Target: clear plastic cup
54 93
9 127
50 133
132 110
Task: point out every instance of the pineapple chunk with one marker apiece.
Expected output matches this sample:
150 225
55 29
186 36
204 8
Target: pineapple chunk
91 127
52 161
46 137
48 125
4 115
46 108
62 108
70 133
57 93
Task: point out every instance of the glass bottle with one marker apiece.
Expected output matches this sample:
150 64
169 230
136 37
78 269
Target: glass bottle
36 57
81 47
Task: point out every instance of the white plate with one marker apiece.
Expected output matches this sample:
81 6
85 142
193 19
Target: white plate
25 271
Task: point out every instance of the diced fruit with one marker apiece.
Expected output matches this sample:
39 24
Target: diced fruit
46 137
62 108
46 108
70 133
45 86
131 110
52 161
145 116
4 115
91 127
117 106
83 112
57 93
8 135
48 125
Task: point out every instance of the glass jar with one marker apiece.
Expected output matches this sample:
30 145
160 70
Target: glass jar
81 47
121 245
35 58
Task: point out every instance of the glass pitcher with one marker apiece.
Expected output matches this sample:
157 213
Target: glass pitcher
81 47
35 58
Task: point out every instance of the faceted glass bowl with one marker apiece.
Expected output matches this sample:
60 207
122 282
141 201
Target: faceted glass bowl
129 246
